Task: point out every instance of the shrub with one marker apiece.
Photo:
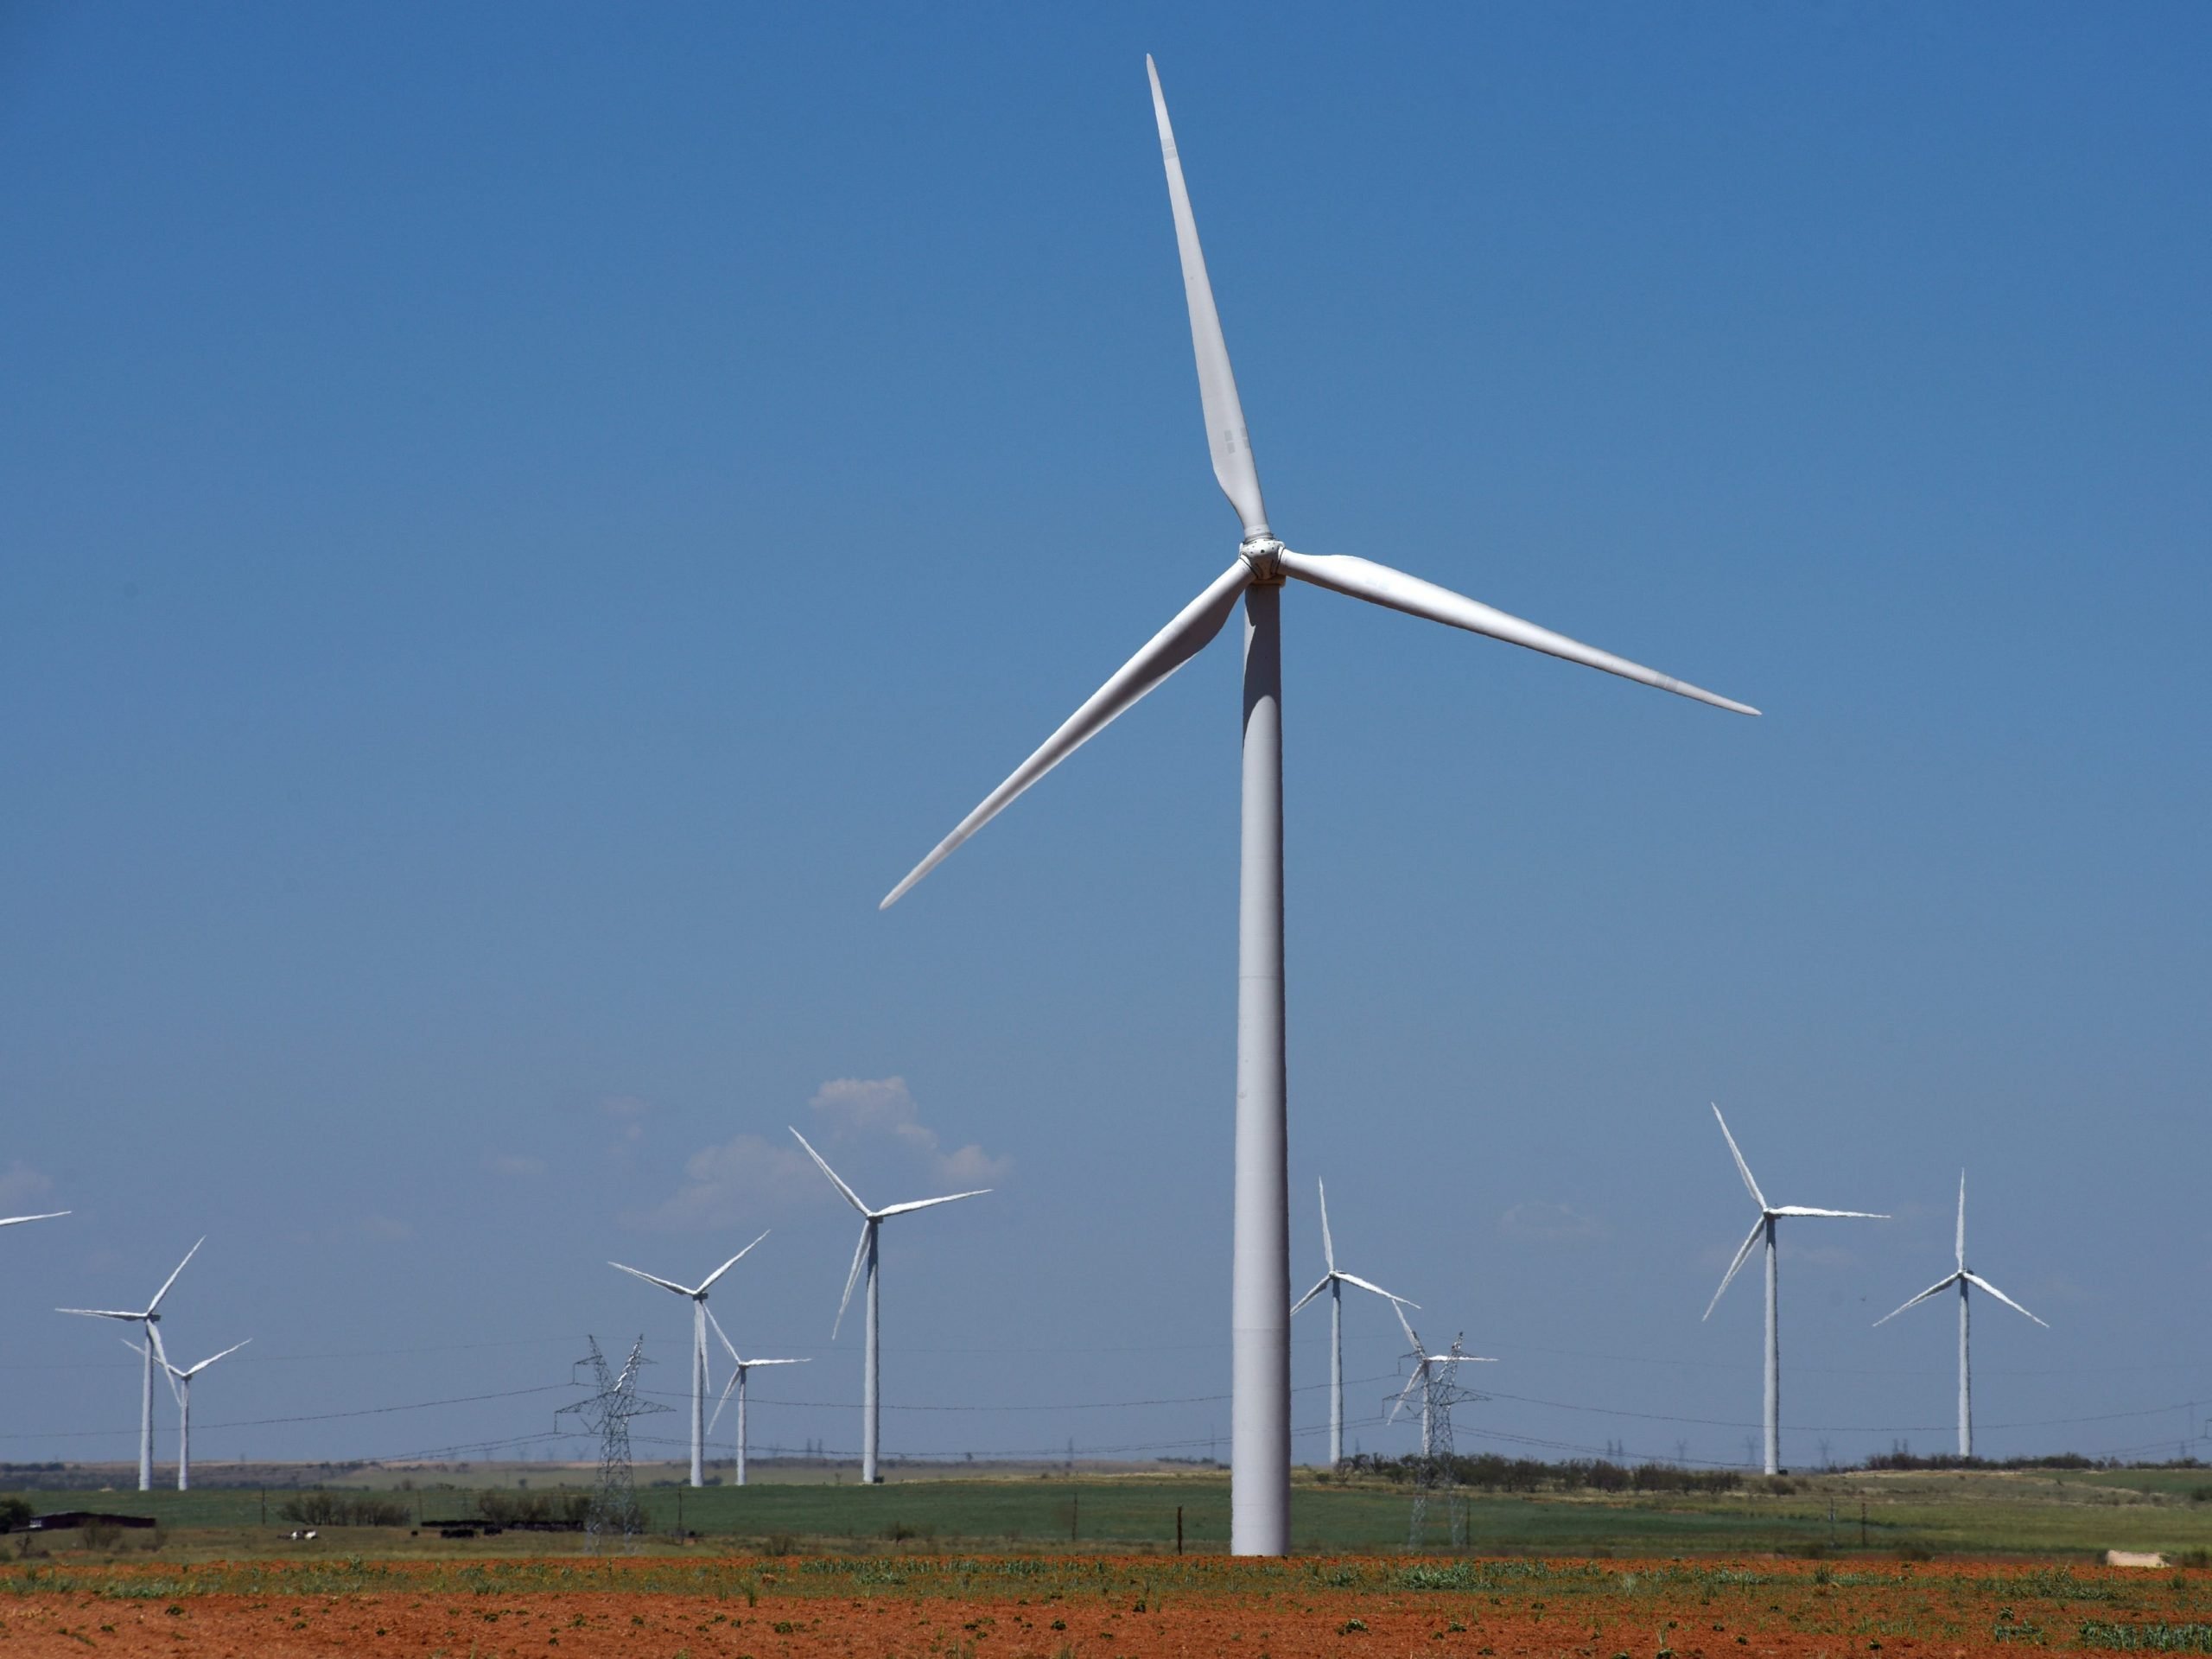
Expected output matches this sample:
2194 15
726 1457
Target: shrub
16 1512
319 1507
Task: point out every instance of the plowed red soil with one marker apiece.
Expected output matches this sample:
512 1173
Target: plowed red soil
1104 1607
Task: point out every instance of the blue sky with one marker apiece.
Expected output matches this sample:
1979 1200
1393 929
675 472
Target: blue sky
520 523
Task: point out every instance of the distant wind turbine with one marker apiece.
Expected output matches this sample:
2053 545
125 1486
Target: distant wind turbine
1259 1279
864 1254
1334 1281
740 1367
1764 1228
1428 1368
180 1386
1962 1278
698 1295
149 1318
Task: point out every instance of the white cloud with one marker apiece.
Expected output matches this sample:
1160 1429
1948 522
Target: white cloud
23 1188
628 1113
856 1107
386 1230
1549 1223
733 1185
519 1166
749 1176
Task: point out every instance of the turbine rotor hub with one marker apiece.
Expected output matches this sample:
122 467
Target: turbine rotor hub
1261 555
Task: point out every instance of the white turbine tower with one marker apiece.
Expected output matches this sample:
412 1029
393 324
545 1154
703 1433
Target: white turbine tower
1764 1228
1334 1281
865 1253
180 1386
698 1295
1260 1296
737 1376
149 1318
1963 1278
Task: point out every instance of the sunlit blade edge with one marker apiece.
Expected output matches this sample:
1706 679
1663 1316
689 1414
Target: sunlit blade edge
1379 584
1981 1283
1943 1284
1736 1267
1191 632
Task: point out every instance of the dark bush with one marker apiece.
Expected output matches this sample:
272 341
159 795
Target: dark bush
320 1507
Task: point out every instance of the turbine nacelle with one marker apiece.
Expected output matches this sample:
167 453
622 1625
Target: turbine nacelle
1262 556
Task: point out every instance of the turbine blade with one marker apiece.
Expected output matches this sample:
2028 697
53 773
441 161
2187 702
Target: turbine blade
1311 1293
1328 1244
1412 1341
1736 1266
1231 445
1420 1372
1191 632
51 1215
169 1373
1806 1210
859 1250
211 1358
781 1362
1354 1279
102 1313
1943 1284
925 1203
1379 584
728 1389
1962 1221
1464 1359
1742 1168
171 1280
652 1279
724 1335
725 1267
851 1197
1981 1283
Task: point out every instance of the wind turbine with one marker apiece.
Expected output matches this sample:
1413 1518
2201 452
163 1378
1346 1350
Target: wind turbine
1260 1400
149 1318
871 1401
1962 1278
698 1295
1764 1228
737 1381
1427 1367
180 1386
1334 1281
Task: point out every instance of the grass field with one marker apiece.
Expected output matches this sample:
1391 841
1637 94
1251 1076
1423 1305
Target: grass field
2053 1514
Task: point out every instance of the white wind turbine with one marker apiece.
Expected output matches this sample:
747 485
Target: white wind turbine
698 1295
180 1386
1764 1228
1427 1367
865 1253
1962 1278
149 1318
737 1376
1334 1281
1260 1299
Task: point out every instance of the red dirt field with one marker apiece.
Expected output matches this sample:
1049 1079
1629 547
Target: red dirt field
1102 1606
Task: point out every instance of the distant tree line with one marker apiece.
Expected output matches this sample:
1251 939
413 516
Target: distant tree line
1489 1472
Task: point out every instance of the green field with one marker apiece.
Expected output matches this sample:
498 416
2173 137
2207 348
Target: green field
2028 1512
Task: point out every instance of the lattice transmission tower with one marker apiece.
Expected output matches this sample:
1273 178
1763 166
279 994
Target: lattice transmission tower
613 1510
1435 1389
